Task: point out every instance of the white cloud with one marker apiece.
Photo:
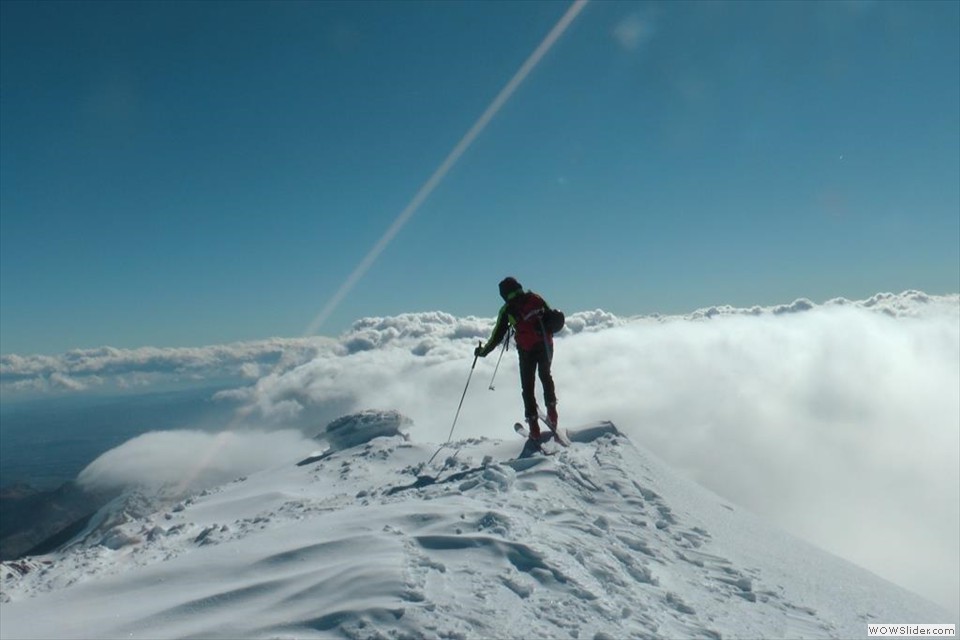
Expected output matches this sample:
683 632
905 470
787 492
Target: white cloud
59 380
431 333
122 368
181 461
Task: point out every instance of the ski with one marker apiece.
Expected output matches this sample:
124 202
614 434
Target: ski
559 434
544 436
531 445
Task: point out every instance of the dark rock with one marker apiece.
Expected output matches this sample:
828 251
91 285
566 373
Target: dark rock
34 521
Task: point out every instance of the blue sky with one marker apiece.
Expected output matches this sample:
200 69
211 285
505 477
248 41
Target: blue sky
180 174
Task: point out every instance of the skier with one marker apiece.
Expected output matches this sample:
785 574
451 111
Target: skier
523 311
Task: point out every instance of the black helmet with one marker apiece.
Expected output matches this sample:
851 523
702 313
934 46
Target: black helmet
509 285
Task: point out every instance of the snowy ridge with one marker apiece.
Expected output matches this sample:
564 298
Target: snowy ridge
365 541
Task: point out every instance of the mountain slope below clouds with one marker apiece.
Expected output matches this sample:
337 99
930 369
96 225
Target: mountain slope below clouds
598 541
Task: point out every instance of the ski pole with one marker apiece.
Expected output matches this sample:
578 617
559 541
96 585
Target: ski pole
506 341
546 340
460 406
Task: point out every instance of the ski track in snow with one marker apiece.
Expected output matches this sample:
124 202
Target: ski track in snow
598 541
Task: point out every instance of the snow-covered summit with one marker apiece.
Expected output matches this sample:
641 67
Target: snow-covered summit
598 541
359 428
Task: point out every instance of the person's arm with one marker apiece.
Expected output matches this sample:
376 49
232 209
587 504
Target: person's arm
499 331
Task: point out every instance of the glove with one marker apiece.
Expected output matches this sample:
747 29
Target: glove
479 353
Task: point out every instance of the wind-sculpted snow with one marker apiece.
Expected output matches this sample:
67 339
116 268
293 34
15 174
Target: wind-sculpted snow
599 541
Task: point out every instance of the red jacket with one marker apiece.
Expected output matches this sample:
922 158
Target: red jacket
523 311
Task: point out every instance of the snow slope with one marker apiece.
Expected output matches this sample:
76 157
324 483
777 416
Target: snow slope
364 540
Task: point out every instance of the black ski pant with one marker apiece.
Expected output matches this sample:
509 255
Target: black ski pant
531 362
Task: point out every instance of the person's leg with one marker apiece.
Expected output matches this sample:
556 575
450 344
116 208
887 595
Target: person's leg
528 371
549 390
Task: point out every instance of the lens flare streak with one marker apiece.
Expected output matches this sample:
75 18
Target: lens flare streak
438 175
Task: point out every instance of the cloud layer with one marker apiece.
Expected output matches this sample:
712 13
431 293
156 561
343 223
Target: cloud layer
109 368
179 461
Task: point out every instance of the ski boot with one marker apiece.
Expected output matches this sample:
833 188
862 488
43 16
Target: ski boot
552 416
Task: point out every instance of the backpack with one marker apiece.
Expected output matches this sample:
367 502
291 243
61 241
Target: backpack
531 317
553 320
